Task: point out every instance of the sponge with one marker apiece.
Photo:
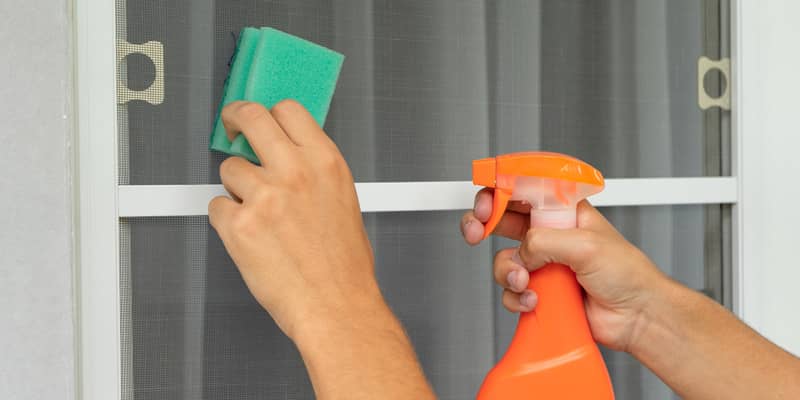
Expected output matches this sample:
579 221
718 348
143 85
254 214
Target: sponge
270 66
235 84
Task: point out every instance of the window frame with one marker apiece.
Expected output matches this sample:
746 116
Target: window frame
102 201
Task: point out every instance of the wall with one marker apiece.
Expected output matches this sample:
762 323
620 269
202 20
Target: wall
767 120
36 300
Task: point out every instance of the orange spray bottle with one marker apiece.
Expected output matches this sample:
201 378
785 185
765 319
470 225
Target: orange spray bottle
552 354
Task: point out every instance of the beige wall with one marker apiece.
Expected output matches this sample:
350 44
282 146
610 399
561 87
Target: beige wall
36 301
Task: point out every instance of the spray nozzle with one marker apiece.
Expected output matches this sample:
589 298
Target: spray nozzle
548 181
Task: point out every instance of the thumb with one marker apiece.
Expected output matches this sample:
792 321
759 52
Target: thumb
573 247
589 218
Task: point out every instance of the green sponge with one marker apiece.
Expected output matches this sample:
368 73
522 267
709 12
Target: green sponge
270 66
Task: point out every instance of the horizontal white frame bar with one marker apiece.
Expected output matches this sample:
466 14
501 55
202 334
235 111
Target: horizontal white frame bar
186 200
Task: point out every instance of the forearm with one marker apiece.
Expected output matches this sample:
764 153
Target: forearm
364 356
702 351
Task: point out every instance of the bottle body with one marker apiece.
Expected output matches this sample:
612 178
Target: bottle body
552 354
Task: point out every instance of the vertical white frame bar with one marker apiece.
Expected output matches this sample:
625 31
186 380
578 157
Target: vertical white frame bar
736 157
97 289
739 43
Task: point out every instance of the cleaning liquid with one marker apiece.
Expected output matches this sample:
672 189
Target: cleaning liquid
552 354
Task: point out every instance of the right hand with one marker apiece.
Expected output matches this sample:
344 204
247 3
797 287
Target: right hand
293 225
618 278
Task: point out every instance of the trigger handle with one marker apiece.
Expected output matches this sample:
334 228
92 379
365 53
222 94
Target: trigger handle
499 203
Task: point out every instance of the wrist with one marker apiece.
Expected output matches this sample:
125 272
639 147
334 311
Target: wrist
661 323
652 320
361 353
337 321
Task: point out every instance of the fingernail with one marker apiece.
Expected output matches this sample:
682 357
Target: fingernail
512 278
517 260
528 300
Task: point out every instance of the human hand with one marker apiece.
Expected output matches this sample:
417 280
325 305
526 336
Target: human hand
293 226
618 278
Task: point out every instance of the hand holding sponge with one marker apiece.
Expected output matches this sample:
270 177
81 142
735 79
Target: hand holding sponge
269 66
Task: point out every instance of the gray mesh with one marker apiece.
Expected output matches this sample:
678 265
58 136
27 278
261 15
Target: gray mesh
126 313
191 329
429 84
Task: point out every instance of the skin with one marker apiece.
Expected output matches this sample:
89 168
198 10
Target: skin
293 227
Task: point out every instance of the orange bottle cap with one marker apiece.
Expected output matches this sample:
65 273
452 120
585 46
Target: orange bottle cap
483 172
501 172
535 163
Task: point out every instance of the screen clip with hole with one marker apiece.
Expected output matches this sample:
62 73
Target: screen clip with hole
153 94
705 100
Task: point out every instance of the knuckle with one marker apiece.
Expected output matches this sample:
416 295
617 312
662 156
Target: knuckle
496 268
499 279
242 224
263 195
464 218
296 178
331 162
286 107
532 239
501 267
251 110
228 110
498 257
216 203
270 203
213 206
226 167
588 245
509 300
218 212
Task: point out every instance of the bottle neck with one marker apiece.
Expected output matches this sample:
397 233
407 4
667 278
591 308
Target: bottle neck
559 219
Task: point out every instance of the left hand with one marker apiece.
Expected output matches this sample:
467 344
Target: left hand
620 281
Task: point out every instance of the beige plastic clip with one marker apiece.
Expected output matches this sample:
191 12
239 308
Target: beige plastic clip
154 94
704 65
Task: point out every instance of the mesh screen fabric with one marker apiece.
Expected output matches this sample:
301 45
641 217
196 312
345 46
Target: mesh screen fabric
190 328
427 85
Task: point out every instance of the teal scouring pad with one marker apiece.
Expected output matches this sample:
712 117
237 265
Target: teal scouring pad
270 66
235 84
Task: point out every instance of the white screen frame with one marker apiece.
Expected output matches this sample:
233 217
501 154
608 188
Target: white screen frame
103 201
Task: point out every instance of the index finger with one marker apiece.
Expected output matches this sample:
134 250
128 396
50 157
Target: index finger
512 225
256 123
483 205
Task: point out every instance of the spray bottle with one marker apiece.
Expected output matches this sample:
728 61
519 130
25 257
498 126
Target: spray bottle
552 354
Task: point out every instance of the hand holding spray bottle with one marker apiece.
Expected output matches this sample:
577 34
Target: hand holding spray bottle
552 354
